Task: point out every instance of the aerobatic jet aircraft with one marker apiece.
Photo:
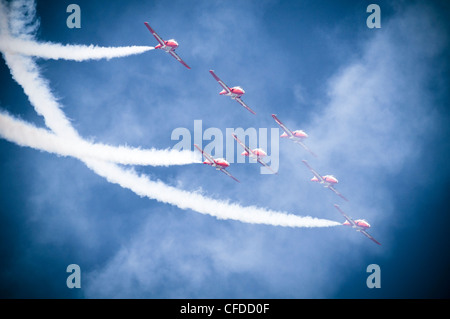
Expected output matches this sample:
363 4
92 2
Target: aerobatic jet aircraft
169 46
256 153
219 164
327 180
296 136
359 225
235 92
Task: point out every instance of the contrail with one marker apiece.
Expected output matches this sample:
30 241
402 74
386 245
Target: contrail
143 186
26 74
22 18
26 134
56 51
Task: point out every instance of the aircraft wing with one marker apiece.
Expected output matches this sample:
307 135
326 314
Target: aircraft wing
228 173
370 237
206 155
317 175
222 84
238 99
249 151
337 193
352 222
157 37
260 161
349 219
306 148
176 56
288 131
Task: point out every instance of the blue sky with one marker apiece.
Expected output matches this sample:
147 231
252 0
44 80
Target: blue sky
374 102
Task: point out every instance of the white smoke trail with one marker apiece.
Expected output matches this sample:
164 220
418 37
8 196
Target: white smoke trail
16 36
56 51
161 192
25 134
25 72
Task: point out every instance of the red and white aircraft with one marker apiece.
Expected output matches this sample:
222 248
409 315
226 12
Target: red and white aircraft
359 225
327 180
296 136
235 92
219 164
256 153
169 46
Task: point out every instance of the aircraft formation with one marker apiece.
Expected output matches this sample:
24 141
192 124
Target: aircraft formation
297 136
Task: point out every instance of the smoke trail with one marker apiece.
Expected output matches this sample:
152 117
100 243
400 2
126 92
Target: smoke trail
16 36
56 51
161 192
25 134
25 72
